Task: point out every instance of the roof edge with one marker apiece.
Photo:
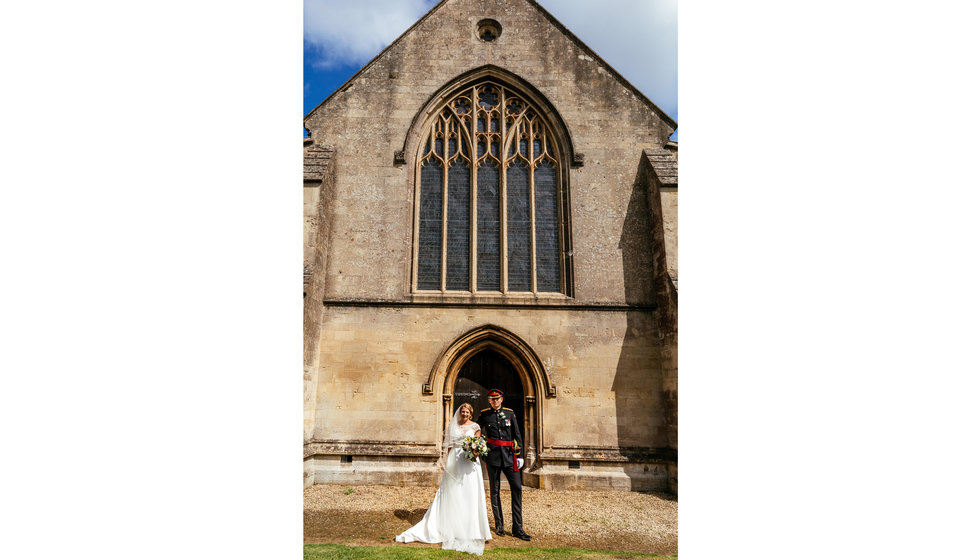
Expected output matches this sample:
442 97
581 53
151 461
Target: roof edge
345 85
662 165
561 27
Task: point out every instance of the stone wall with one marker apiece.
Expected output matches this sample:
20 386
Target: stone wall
658 176
318 180
662 167
316 160
375 359
605 365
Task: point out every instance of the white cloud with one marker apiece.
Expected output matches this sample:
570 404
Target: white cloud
354 31
636 37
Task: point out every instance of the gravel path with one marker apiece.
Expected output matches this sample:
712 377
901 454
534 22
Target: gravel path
373 515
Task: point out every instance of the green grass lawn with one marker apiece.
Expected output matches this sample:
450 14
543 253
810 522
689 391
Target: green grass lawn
343 552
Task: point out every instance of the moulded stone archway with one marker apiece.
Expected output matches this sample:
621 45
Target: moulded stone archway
413 137
531 372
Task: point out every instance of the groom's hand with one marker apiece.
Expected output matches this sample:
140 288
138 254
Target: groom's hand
520 463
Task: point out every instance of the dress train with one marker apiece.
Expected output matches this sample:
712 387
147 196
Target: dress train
458 515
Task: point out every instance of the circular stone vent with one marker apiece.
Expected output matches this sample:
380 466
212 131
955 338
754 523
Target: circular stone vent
488 30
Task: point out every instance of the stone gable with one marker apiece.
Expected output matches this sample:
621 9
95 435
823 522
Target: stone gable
370 116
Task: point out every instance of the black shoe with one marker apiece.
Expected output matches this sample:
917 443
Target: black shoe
500 531
523 536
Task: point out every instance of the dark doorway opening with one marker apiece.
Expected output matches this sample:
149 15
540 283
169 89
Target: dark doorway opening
489 370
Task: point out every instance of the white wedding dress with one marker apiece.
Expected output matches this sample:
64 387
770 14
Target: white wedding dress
458 515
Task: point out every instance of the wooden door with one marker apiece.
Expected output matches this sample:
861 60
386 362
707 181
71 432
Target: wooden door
489 370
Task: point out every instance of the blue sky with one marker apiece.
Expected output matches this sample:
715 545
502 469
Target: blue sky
637 37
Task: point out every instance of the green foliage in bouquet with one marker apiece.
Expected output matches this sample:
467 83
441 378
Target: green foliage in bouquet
475 446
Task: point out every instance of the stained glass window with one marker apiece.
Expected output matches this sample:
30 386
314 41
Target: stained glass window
488 227
489 197
518 228
458 228
430 226
546 213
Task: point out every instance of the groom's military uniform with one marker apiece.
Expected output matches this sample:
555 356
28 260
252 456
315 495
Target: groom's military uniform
505 447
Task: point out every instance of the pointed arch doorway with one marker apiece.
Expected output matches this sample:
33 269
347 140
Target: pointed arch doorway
487 370
491 357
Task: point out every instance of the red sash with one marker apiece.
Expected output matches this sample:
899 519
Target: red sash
504 444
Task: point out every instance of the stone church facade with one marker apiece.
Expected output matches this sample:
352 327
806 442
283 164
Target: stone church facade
489 204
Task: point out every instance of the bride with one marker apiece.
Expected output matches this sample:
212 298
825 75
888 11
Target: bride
458 515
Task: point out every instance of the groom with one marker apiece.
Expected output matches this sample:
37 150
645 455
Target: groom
499 426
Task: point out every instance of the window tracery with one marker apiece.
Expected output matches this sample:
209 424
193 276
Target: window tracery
489 216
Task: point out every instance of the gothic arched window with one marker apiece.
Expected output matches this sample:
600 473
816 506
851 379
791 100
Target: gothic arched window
489 197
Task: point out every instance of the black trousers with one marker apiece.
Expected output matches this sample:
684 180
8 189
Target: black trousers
514 480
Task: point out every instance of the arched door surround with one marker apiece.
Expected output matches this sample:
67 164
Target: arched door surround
529 368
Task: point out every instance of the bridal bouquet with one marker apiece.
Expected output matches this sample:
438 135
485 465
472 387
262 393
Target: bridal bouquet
474 447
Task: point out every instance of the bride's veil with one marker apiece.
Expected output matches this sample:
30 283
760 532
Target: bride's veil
454 432
452 436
